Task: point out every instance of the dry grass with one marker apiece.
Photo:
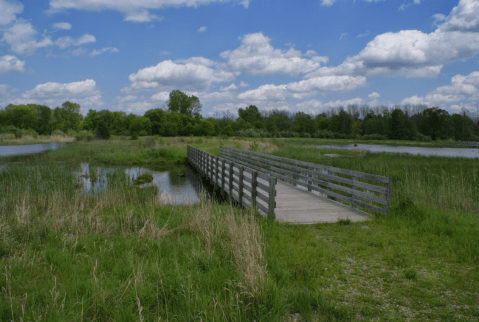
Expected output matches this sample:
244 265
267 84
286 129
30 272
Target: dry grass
9 139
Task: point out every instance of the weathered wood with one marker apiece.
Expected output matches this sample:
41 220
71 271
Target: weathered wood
308 175
241 186
272 195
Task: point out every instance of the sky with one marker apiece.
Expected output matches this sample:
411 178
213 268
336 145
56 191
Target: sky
308 56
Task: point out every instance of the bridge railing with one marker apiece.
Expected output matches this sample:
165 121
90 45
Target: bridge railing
250 188
468 143
357 189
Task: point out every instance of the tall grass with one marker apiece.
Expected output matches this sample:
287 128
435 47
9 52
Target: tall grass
123 255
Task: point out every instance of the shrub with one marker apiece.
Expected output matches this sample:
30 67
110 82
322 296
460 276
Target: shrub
422 137
21 133
134 136
323 134
84 136
339 135
9 129
305 135
58 132
374 136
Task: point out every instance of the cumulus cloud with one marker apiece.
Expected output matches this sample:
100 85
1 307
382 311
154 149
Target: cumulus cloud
327 3
463 17
256 56
103 50
316 106
55 94
64 42
62 26
462 92
9 63
9 11
304 88
52 89
192 75
412 53
21 38
136 11
202 29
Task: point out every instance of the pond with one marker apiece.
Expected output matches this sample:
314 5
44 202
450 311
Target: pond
443 152
13 150
177 185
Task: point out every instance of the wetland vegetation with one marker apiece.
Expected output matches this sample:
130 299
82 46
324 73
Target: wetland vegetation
122 254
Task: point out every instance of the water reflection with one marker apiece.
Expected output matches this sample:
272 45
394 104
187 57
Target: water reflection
12 150
176 185
443 152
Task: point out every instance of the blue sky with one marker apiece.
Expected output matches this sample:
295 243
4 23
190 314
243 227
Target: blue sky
308 56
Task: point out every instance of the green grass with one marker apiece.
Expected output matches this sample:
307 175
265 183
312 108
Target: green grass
122 255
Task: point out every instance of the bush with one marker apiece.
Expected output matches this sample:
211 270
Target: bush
253 133
423 138
134 136
289 134
323 134
305 135
84 136
21 133
374 136
9 129
339 136
58 132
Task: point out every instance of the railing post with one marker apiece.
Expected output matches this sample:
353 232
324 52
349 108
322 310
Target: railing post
353 195
223 175
254 183
241 185
216 173
230 188
388 196
272 195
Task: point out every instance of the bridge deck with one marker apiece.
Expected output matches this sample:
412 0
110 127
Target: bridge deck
296 205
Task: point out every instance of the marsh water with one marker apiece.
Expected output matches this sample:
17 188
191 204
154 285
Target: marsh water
177 185
471 153
13 150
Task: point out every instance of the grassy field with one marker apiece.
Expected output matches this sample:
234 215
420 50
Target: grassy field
122 255
10 139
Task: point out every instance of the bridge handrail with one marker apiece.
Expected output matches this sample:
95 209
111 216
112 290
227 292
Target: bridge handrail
321 178
249 187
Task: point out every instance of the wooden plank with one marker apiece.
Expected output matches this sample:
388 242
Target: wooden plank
272 195
263 197
262 208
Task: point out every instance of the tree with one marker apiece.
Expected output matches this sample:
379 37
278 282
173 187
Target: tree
21 116
181 103
303 123
341 123
156 117
250 114
435 122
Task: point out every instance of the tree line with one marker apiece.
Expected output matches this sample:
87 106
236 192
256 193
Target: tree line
182 117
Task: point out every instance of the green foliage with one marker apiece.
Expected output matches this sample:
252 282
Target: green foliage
143 178
187 105
374 136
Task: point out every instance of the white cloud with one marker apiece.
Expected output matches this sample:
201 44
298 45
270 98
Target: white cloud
9 63
136 11
192 75
343 35
438 18
412 53
8 11
316 106
161 96
243 84
21 38
52 89
64 42
55 94
463 17
103 50
231 87
463 92
62 26
256 56
202 29
374 96
304 88
141 16
327 3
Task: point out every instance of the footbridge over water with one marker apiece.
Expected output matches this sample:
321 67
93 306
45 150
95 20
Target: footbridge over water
305 192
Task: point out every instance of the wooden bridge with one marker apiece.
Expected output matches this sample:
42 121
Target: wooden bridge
307 192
